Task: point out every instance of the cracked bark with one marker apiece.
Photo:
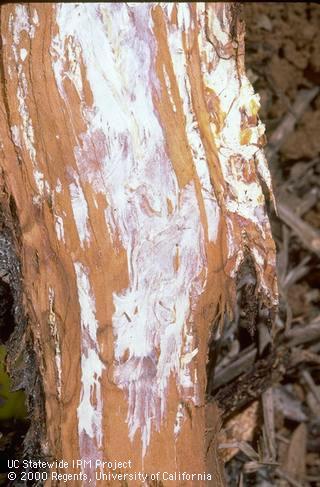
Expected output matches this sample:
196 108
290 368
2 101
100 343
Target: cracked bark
132 150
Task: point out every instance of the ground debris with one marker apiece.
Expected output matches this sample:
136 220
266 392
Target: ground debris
276 373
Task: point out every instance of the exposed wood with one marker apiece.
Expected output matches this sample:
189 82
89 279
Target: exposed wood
132 149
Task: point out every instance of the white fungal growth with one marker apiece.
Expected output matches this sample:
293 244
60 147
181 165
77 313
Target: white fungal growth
58 186
39 179
23 54
216 27
28 133
122 155
55 335
167 81
59 227
90 406
35 17
18 24
58 220
237 141
15 133
165 246
74 72
80 210
263 171
234 95
184 19
179 61
179 419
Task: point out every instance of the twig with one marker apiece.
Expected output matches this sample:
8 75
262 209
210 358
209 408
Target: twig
306 233
242 446
268 415
282 438
234 369
288 478
308 202
259 377
283 255
296 273
304 334
310 383
265 338
286 126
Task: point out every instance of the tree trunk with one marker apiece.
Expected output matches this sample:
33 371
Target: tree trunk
132 196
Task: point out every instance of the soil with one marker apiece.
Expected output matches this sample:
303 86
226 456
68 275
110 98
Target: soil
283 57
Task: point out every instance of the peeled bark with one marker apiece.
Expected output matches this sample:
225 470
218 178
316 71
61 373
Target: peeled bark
132 150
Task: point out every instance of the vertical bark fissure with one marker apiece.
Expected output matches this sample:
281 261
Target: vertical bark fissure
6 104
21 361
